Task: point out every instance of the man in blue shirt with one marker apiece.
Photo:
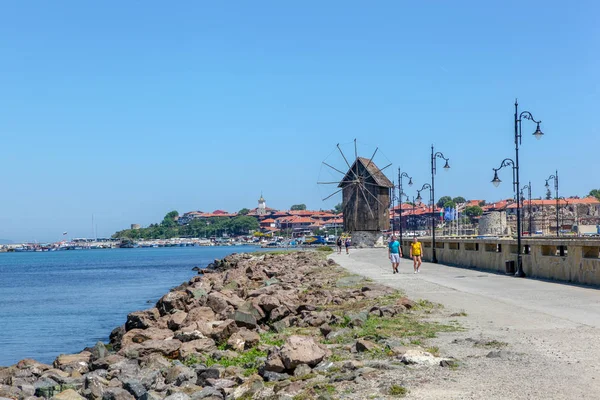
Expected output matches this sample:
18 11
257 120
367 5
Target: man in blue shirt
394 253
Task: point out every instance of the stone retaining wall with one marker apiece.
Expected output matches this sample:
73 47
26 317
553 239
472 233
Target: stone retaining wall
568 260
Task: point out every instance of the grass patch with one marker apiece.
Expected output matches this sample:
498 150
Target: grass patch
271 339
247 360
325 249
278 252
435 351
397 390
401 326
492 343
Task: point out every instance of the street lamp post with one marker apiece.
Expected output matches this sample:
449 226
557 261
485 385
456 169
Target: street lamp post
555 177
393 210
434 157
515 164
528 187
419 198
400 176
414 223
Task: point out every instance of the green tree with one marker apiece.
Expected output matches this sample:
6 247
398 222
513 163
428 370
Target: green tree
337 208
482 203
242 225
473 211
298 207
595 193
243 211
548 195
449 204
459 200
169 219
443 200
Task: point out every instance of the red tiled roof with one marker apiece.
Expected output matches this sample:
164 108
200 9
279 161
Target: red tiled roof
267 221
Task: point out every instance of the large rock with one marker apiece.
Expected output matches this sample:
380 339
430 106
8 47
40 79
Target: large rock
243 339
301 350
116 393
135 387
268 303
176 320
247 389
206 373
419 357
46 387
363 345
197 346
106 362
68 394
179 374
173 301
252 307
168 348
138 336
199 314
142 319
74 362
208 393
243 319
222 330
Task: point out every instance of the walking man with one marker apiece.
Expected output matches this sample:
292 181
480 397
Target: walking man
347 244
415 254
394 254
339 244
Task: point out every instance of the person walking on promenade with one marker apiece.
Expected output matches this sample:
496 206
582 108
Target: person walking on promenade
415 254
347 244
339 244
394 254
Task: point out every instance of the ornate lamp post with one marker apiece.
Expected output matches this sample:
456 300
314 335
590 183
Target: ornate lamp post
400 176
515 164
419 198
507 162
555 177
528 187
434 157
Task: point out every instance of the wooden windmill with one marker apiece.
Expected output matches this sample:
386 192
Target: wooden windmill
365 194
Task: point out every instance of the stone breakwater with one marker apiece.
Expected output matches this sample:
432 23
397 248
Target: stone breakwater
287 326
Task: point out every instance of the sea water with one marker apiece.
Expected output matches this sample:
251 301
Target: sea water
60 302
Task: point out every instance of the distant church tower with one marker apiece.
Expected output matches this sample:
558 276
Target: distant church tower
262 206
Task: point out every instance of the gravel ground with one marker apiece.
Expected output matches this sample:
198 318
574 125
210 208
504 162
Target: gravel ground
523 338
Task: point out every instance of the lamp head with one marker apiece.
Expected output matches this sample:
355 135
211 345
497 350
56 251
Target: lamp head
446 166
538 133
496 181
409 181
419 198
547 185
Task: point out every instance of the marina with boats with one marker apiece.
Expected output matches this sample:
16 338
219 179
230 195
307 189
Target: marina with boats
112 243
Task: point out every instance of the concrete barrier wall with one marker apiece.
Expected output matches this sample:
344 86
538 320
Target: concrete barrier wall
568 260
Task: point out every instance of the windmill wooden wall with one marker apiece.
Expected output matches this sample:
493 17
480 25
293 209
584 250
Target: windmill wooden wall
365 197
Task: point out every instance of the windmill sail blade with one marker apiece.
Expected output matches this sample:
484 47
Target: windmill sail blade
385 167
372 157
355 150
335 183
376 199
366 201
343 156
334 193
343 173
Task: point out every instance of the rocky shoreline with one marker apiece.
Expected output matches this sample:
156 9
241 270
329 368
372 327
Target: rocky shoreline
267 326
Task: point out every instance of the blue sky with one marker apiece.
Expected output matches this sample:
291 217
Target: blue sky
126 110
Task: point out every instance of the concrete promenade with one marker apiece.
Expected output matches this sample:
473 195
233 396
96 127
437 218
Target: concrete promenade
551 329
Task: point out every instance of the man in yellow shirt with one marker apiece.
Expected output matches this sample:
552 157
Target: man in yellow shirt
415 254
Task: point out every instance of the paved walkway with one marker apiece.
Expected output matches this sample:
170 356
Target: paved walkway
554 325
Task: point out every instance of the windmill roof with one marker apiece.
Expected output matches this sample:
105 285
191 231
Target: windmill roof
378 176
